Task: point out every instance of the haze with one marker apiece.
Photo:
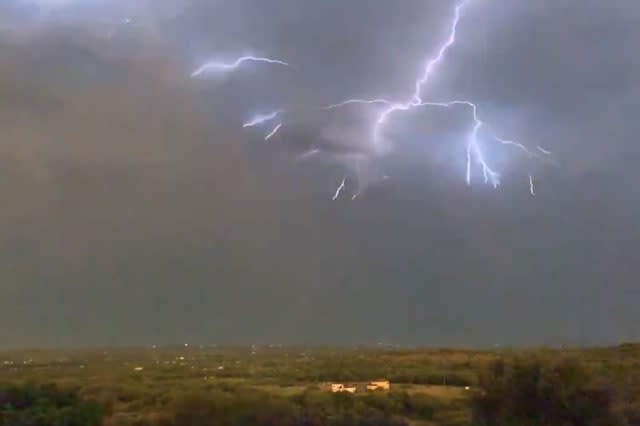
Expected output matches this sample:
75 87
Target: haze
136 210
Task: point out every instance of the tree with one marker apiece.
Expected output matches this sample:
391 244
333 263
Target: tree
47 405
528 392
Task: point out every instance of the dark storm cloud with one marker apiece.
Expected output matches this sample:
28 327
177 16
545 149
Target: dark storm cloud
135 209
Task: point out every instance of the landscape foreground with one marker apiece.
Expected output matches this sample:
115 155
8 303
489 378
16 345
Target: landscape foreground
275 385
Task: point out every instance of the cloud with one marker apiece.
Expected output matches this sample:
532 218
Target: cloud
133 197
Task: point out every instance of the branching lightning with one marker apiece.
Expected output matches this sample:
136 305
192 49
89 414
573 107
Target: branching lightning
416 97
479 131
474 151
265 118
227 67
473 145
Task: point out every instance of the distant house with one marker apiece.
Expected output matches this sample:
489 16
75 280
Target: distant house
378 385
339 387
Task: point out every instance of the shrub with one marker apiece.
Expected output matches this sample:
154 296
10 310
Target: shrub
529 392
47 405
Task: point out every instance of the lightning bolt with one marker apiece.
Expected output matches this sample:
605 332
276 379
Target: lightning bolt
544 151
273 132
474 151
262 118
532 188
358 101
226 67
265 118
339 190
308 154
416 97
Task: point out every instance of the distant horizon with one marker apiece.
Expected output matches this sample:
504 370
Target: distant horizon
355 346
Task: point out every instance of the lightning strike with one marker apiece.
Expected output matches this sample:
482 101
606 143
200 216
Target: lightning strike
532 188
273 132
544 151
474 148
416 97
474 151
261 119
339 189
358 101
226 67
308 154
432 63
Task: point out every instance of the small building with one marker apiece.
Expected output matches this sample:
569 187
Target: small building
339 387
378 385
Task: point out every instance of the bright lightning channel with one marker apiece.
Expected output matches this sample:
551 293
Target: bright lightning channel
544 151
532 188
273 132
416 97
358 101
226 67
262 118
473 148
339 189
473 145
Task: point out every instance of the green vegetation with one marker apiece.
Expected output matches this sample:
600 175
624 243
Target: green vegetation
47 405
529 392
192 386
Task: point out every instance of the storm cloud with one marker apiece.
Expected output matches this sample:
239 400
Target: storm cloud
137 210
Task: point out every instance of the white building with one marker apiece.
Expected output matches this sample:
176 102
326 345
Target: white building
378 385
339 387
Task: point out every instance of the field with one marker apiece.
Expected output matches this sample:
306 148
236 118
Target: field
161 385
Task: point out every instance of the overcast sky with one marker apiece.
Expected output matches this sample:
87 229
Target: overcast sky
136 210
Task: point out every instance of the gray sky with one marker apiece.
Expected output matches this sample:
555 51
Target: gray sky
135 209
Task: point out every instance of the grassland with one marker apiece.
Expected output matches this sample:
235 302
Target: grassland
141 386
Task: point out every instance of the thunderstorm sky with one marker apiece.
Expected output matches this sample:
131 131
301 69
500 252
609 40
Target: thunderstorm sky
137 210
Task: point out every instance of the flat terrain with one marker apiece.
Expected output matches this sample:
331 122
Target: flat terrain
139 383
